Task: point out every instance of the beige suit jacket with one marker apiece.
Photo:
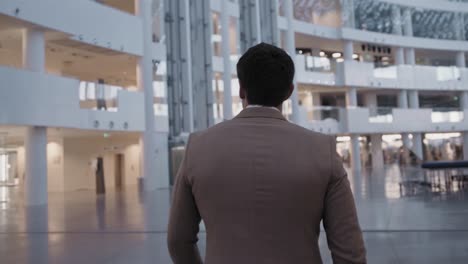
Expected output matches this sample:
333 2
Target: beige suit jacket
262 185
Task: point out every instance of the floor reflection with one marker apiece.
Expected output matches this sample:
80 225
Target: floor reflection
130 227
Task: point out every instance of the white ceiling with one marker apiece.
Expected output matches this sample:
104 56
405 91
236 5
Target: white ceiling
68 57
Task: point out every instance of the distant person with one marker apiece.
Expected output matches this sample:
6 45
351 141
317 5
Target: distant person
262 185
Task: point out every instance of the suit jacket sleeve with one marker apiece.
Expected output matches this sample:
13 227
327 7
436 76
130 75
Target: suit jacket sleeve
340 220
184 218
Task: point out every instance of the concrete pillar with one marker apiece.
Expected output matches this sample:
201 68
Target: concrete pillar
291 49
403 103
35 183
418 145
35 143
316 102
376 139
371 103
347 14
351 97
376 150
399 56
461 60
348 50
407 22
410 56
34 50
464 100
355 152
226 51
148 147
396 20
413 99
403 99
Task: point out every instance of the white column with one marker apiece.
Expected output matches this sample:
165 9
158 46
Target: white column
399 56
291 49
258 23
347 13
403 99
351 97
461 62
371 100
413 99
408 31
35 184
34 50
464 100
407 22
225 48
417 146
355 152
348 50
188 61
396 20
403 103
376 139
145 84
410 56
316 102
376 150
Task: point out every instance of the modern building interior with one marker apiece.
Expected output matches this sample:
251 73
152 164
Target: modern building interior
98 98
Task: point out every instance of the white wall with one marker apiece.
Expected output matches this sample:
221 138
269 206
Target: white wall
70 162
80 155
55 167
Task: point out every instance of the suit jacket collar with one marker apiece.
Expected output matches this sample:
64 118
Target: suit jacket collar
264 112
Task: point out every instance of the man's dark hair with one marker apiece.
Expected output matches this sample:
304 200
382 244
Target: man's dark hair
266 73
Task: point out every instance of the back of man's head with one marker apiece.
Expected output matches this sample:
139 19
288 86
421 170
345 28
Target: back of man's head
266 74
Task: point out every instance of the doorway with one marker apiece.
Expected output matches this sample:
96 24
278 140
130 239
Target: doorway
119 171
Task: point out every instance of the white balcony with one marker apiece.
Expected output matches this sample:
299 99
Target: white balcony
387 120
314 70
363 74
328 120
38 99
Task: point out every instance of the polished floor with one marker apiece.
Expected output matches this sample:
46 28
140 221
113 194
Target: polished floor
400 226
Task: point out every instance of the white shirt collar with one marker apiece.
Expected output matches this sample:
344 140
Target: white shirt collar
257 106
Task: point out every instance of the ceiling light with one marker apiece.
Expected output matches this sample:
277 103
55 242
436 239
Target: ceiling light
339 60
355 56
322 54
336 55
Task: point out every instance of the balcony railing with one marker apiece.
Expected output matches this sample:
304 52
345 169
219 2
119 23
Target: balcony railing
381 115
447 115
323 113
98 96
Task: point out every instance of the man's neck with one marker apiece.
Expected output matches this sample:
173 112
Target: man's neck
271 107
